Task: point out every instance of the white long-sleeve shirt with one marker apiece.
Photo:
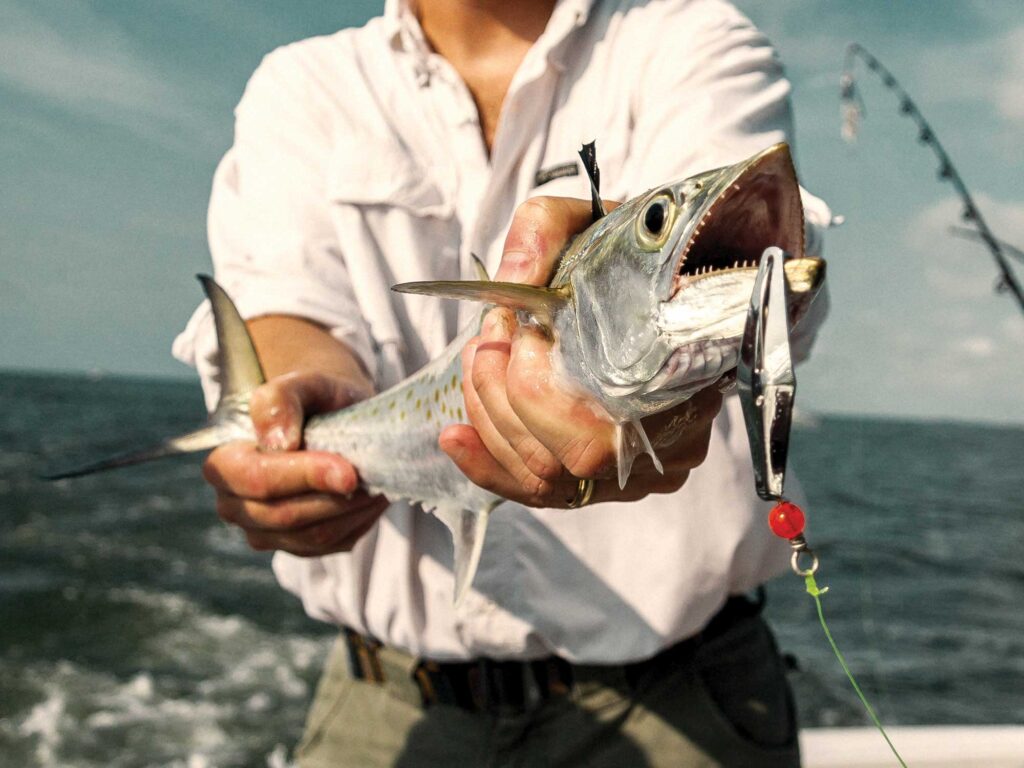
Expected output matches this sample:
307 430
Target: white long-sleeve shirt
359 163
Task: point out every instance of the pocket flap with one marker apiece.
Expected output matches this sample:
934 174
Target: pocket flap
382 173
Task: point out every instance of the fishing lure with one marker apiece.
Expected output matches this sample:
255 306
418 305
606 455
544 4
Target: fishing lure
767 389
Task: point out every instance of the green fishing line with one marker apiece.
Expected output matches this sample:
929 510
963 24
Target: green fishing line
816 593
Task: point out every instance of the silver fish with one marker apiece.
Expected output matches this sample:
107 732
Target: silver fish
646 308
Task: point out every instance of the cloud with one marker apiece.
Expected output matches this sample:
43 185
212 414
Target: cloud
78 61
1006 88
1012 329
961 269
977 346
989 70
977 59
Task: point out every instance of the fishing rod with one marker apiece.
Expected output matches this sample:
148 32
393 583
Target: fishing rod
852 106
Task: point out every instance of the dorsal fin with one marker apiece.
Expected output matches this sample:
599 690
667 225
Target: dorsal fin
588 154
481 269
241 371
540 303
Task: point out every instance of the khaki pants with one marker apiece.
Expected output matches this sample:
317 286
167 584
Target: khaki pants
727 704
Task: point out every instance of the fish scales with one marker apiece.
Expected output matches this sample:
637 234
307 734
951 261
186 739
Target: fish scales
392 437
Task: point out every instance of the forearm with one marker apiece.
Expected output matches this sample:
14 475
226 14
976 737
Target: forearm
288 344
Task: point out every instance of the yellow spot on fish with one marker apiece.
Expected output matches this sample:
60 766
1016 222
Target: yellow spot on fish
437 395
419 403
391 405
458 412
428 414
454 380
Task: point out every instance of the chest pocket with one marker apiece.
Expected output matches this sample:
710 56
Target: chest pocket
374 172
392 216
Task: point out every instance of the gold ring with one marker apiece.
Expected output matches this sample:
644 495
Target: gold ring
584 490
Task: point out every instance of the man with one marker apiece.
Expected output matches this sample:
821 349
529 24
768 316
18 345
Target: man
389 154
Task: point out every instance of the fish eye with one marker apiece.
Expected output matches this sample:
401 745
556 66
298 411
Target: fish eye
654 222
654 217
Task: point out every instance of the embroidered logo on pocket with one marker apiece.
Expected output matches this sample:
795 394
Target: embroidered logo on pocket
544 175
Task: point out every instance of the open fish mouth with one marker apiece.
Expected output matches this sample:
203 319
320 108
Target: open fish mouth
758 206
749 208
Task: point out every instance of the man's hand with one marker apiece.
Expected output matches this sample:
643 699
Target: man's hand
530 440
304 502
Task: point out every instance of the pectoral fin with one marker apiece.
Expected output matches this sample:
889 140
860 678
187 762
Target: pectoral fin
632 442
469 528
541 303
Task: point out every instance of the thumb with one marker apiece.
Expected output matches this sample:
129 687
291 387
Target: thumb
280 407
540 230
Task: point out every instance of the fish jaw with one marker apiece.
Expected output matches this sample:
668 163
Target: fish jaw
707 324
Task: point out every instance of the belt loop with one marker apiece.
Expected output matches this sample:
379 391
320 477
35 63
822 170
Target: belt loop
424 673
372 651
352 644
559 677
363 657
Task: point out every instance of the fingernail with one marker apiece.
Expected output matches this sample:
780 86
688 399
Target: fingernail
338 480
455 449
495 327
275 439
515 267
282 437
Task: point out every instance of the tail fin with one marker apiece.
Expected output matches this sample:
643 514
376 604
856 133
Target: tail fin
241 374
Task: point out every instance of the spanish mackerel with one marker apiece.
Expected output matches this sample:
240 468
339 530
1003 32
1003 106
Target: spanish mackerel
646 308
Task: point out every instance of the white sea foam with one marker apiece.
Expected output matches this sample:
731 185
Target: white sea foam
44 723
178 715
278 758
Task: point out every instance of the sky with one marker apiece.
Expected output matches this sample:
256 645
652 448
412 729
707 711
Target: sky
115 113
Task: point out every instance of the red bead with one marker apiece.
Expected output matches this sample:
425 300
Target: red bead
786 520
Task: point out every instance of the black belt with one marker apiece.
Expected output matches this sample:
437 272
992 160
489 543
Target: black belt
484 685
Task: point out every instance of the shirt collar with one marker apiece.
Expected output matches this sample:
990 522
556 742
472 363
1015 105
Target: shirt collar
405 33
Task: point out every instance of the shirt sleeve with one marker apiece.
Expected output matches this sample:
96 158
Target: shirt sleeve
713 93
273 245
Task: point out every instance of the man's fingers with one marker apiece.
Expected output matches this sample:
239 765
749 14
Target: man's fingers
241 469
540 230
336 534
569 425
466 448
279 408
501 429
288 514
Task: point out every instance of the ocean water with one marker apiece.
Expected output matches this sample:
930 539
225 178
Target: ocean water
137 630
